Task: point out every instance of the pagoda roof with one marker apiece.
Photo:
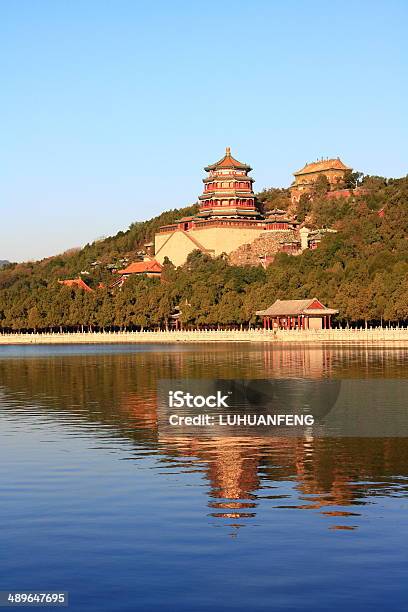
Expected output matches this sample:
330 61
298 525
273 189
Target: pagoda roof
228 162
323 165
227 193
282 308
142 267
234 177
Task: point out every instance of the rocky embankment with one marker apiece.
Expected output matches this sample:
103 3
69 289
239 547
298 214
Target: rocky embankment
263 248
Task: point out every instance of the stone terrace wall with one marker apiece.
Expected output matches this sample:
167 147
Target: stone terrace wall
267 244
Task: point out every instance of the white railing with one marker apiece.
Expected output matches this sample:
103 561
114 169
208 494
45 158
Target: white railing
210 335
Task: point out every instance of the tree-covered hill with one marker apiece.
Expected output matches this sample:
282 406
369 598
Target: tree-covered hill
362 270
97 258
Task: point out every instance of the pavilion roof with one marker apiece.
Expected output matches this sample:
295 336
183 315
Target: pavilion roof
75 282
228 162
322 165
282 308
142 267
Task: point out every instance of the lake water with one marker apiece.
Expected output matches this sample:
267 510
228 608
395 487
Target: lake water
94 500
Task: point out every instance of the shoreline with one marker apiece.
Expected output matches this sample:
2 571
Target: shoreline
334 336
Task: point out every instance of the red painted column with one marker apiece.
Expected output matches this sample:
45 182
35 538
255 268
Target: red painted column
329 321
324 322
264 322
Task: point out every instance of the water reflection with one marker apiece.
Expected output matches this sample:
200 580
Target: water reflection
112 395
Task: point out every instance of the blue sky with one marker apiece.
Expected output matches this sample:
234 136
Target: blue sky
110 110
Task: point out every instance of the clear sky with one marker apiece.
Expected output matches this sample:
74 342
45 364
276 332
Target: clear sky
110 110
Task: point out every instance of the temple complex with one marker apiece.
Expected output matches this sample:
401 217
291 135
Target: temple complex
333 169
227 218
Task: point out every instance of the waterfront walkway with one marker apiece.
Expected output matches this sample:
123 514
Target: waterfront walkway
373 335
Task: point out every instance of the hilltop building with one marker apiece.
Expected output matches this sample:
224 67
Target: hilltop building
227 218
333 169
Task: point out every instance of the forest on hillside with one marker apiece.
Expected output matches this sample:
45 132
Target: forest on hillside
362 270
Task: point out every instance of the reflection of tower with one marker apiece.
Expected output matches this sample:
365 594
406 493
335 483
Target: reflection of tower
234 480
232 472
233 477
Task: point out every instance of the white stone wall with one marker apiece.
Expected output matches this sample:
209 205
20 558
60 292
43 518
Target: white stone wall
176 246
377 336
217 240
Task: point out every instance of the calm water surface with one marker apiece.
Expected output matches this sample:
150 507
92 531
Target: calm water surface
95 501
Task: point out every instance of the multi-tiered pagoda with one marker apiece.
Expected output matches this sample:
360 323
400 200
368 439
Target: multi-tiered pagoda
228 190
227 218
